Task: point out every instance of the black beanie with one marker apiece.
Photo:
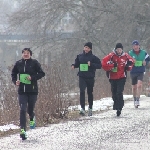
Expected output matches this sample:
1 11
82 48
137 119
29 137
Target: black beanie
88 44
27 49
119 45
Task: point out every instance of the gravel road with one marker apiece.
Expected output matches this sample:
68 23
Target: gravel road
103 131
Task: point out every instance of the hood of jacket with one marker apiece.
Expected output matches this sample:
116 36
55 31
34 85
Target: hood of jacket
114 51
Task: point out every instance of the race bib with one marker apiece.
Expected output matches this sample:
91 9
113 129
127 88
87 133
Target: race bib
114 69
138 63
23 79
83 67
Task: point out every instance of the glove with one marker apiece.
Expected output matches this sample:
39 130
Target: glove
129 63
115 64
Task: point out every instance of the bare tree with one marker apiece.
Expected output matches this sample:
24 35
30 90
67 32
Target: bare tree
102 22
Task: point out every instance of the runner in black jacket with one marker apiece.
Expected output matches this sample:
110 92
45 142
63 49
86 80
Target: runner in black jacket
87 64
28 71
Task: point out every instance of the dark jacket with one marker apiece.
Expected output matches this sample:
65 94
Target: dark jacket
83 59
31 67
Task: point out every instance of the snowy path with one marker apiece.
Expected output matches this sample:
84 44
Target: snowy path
104 131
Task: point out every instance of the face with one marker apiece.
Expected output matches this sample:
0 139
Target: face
86 49
136 47
26 55
119 51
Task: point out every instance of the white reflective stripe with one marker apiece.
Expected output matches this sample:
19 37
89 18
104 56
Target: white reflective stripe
146 56
25 66
130 60
109 62
125 74
24 71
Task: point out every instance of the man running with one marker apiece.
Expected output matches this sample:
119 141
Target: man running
137 73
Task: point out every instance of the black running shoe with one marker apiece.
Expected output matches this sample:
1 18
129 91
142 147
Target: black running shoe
118 112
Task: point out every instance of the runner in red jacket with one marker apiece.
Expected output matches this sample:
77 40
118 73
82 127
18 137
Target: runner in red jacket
116 64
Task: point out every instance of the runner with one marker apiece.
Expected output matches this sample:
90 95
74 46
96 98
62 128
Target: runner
29 71
87 64
117 63
137 73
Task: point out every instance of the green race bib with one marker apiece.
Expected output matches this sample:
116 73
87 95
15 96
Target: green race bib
138 63
23 79
114 69
83 67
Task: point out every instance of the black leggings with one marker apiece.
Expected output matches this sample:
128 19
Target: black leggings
117 88
83 84
27 103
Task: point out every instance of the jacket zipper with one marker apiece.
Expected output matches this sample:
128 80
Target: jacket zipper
24 72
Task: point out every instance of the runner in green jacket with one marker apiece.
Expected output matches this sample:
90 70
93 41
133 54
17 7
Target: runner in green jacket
137 73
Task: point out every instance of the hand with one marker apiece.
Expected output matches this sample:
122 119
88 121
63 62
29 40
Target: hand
72 67
148 65
144 63
89 63
18 82
29 77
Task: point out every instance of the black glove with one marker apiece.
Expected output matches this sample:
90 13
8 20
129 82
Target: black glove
115 64
129 63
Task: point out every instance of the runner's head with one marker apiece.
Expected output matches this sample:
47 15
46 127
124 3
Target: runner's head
87 47
136 45
119 48
26 53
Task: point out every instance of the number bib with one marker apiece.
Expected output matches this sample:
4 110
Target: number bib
83 67
138 63
114 69
23 79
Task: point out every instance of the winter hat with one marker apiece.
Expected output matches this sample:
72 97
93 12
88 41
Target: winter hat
119 45
135 42
88 44
27 49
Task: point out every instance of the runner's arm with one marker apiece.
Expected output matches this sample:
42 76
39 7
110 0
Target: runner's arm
14 74
77 63
96 64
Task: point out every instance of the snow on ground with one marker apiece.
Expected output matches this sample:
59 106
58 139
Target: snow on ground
102 104
102 131
8 127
